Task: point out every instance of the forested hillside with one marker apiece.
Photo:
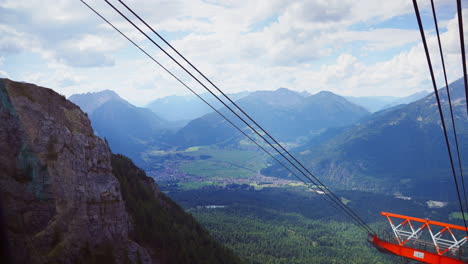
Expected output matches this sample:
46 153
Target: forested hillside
292 225
396 150
160 224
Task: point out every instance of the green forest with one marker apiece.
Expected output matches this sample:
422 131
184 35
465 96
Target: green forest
273 237
292 225
274 225
160 224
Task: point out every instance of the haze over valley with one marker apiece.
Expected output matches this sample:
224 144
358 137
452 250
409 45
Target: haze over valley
234 132
309 125
219 176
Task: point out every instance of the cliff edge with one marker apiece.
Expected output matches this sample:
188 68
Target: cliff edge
61 201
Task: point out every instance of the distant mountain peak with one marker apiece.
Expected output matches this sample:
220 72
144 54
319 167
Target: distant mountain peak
326 93
282 89
103 94
280 97
89 102
286 90
128 129
106 92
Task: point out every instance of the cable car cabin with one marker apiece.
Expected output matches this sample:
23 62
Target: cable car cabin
423 240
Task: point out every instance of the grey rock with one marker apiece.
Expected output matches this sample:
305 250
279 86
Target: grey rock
61 202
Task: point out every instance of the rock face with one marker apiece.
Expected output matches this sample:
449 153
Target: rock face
61 202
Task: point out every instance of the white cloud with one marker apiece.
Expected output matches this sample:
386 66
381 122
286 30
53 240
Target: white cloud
59 76
305 31
242 45
51 29
403 74
379 39
13 41
4 74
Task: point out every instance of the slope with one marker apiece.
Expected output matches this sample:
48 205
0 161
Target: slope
396 150
378 103
160 224
406 100
88 102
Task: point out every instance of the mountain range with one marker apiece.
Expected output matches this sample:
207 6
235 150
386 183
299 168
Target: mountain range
182 109
127 128
401 149
339 139
287 115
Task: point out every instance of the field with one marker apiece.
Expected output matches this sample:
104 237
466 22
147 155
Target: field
458 215
220 163
198 167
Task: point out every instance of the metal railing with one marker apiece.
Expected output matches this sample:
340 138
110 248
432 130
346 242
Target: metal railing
456 253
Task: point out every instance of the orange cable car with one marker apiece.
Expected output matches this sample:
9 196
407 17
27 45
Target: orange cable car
423 240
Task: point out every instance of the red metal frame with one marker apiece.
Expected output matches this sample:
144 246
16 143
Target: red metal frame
409 244
411 253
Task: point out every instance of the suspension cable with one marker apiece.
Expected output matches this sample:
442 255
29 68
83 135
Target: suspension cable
230 122
450 104
327 190
462 46
421 30
338 201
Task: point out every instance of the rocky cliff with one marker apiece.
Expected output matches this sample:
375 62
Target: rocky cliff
61 201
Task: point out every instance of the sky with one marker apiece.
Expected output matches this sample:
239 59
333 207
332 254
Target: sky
349 47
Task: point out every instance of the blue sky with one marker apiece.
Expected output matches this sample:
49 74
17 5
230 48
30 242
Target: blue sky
350 47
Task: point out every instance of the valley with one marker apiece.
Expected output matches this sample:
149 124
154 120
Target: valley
266 219
290 224
258 210
233 132
196 167
389 160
